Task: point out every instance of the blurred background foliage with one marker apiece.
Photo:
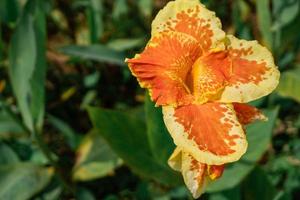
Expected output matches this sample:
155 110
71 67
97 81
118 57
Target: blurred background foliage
74 124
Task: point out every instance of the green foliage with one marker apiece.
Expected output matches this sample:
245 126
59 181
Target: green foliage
75 124
290 84
28 65
127 135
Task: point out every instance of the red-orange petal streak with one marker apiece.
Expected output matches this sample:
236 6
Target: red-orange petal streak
247 114
163 66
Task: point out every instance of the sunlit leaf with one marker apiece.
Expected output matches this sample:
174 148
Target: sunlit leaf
289 84
95 159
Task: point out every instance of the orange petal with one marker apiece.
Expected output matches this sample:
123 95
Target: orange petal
163 67
190 17
253 73
247 114
207 79
194 173
210 132
215 171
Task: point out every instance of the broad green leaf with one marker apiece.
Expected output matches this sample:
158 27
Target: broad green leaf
257 186
160 141
98 53
28 65
95 158
127 136
265 21
259 137
289 84
7 155
68 133
23 180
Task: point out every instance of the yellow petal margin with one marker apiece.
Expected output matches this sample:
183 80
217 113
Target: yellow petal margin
190 17
194 174
210 132
254 73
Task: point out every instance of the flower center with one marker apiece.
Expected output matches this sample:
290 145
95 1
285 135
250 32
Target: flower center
207 77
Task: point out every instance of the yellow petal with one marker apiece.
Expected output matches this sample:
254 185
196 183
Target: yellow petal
210 132
194 173
253 72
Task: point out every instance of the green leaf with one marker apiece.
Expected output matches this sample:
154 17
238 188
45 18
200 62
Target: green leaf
125 44
9 11
95 21
145 7
232 194
7 155
98 53
127 136
28 65
160 141
289 84
259 137
9 127
284 12
257 186
265 21
120 8
68 133
95 159
84 194
22 181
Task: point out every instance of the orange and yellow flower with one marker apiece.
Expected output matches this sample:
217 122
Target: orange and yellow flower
202 78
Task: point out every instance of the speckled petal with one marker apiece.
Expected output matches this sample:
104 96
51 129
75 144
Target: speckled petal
190 17
163 67
210 132
253 73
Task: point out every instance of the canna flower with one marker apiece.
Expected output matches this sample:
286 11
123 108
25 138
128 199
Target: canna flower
203 79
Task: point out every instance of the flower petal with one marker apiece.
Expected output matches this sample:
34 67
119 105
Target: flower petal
215 171
190 17
194 173
253 72
246 114
210 132
163 66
